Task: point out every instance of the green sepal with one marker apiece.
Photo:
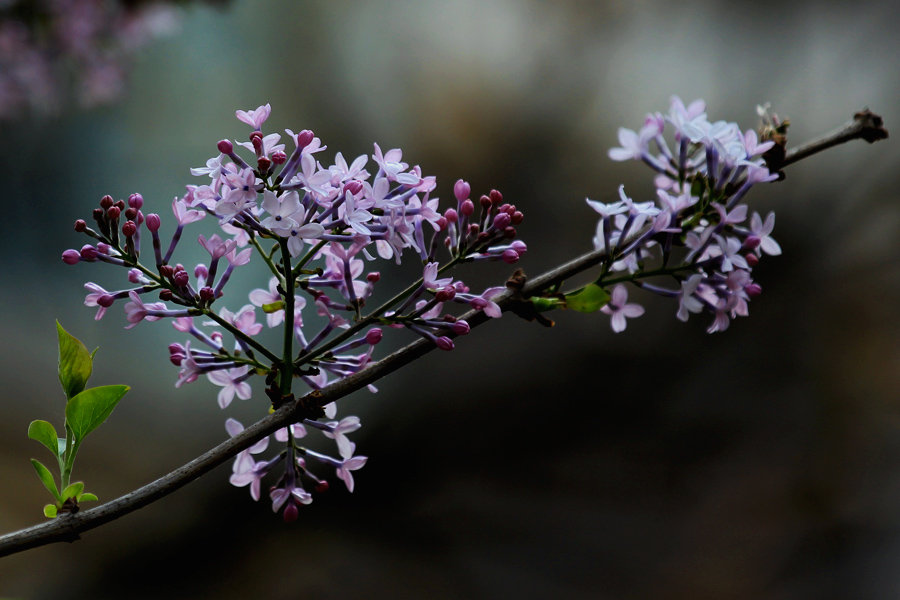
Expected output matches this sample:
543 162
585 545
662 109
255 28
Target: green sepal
75 362
46 478
45 433
73 491
50 511
87 497
86 411
589 299
272 307
545 304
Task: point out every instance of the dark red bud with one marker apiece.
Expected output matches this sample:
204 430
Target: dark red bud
113 212
279 157
166 270
304 138
165 295
80 225
225 146
131 213
485 202
517 217
373 336
129 228
264 164
106 202
120 204
106 300
441 223
290 513
354 187
752 260
207 293
496 197
373 277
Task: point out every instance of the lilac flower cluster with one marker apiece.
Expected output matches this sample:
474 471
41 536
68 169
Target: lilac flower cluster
54 49
696 234
323 226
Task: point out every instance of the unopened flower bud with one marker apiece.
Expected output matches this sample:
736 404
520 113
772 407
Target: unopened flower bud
106 300
517 217
225 146
353 186
451 215
129 228
373 336
290 513
279 157
751 243
80 225
501 221
510 256
753 290
181 278
441 223
264 164
103 248
496 197
136 201
509 232
485 202
444 343
106 202
321 487
153 222
445 294
131 213
166 270
752 259
120 204
88 253
70 257
113 212
467 207
462 190
304 138
165 295
373 277
201 272
207 293
460 327
135 276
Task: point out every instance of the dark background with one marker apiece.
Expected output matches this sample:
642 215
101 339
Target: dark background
530 462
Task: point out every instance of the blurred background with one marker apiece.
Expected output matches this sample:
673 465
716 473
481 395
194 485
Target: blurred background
570 462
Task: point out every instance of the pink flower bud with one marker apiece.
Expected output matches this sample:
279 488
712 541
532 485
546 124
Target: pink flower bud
353 186
322 487
136 201
468 207
304 138
517 217
752 259
106 202
279 157
444 343
80 225
374 336
201 272
451 215
753 290
225 146
441 223
71 257
460 328
113 212
445 294
106 300
103 248
88 252
461 190
264 164
501 221
496 197
510 256
129 228
519 246
373 277
153 222
485 202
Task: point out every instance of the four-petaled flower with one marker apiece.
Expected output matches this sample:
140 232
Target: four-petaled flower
618 308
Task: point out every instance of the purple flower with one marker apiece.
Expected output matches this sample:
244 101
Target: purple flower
762 230
338 432
619 309
136 311
254 118
233 382
353 463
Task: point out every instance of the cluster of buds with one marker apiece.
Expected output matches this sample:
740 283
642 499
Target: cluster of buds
322 226
696 234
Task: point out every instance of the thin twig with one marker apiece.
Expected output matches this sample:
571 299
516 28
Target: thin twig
68 527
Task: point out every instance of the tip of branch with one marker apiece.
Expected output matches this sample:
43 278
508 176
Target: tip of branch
871 126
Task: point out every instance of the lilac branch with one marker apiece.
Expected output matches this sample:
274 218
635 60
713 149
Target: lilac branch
68 527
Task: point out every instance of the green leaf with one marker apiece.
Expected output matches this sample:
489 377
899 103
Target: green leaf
44 432
75 362
73 491
590 299
86 411
45 477
50 511
86 497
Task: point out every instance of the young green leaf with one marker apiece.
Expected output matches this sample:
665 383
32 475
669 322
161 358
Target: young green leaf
86 411
43 432
590 299
50 511
75 362
86 497
73 491
46 478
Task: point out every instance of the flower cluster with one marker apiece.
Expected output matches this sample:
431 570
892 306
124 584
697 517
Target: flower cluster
323 226
696 234
53 49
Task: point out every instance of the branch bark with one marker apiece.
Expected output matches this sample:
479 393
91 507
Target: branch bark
68 527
